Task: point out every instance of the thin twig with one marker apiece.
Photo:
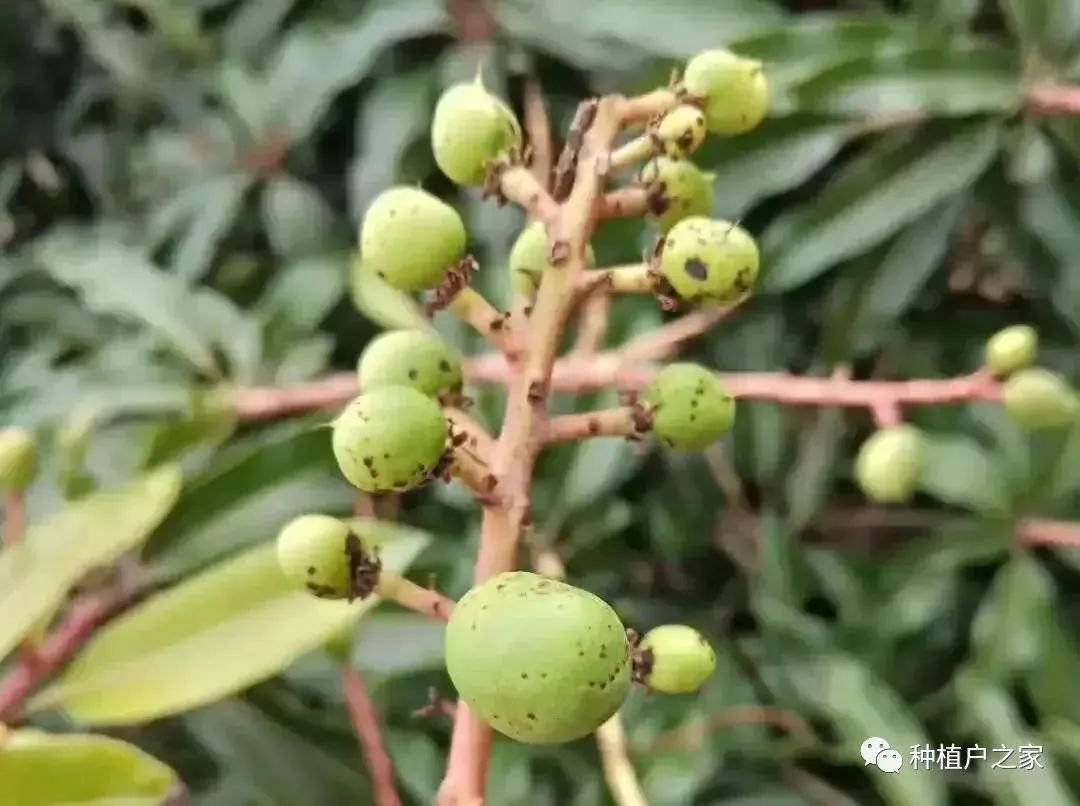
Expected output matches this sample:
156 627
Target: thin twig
625 421
691 736
592 324
538 128
665 340
1064 534
632 201
1054 99
518 184
365 722
425 601
473 309
619 772
15 533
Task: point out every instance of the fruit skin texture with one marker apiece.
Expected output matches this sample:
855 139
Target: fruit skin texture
1039 399
685 189
888 464
411 358
735 90
312 552
691 407
471 126
681 659
18 458
410 238
1012 349
709 260
529 258
681 130
389 439
539 660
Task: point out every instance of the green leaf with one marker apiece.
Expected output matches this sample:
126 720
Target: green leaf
243 613
876 195
1052 681
396 644
211 208
37 573
958 471
317 62
41 769
999 723
1047 27
808 483
1007 634
933 82
297 220
860 705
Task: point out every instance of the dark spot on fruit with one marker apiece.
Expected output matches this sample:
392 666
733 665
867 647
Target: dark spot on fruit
369 460
311 569
543 675
444 365
693 418
669 443
592 684
386 456
696 268
381 274
581 653
531 715
524 676
693 403
500 586
412 374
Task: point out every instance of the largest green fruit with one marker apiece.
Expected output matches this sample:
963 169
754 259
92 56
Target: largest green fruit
539 660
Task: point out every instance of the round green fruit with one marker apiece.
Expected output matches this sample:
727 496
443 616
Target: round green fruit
413 358
410 238
691 408
888 464
680 188
681 130
391 438
312 551
709 260
18 458
1011 349
735 90
537 659
529 258
678 659
1039 399
470 127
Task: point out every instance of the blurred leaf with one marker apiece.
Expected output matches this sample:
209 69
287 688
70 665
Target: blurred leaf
297 220
809 481
1007 634
877 194
315 63
382 304
252 26
418 754
1052 681
395 644
210 209
841 689
936 82
956 470
41 769
1000 724
244 613
37 573
599 465
279 767
1048 27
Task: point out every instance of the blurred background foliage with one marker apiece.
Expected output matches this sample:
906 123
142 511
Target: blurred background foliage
180 184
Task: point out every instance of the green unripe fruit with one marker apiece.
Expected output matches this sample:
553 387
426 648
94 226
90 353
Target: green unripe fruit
1039 399
735 90
312 551
681 130
413 358
888 465
678 659
1011 349
529 258
682 189
709 260
390 438
537 659
410 238
18 458
470 127
691 407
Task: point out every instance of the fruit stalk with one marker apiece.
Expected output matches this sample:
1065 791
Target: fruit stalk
365 722
631 201
633 278
471 307
624 421
408 594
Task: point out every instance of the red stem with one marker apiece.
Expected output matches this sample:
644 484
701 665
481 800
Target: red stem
365 722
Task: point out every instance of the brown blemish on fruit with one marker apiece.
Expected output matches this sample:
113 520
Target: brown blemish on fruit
364 568
311 569
696 268
531 715
444 365
412 374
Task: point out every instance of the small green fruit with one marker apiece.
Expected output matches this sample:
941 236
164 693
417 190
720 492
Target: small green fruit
709 260
1011 349
678 659
888 464
390 438
539 660
410 238
413 358
681 131
680 188
691 407
18 458
735 90
470 127
313 553
529 258
1039 399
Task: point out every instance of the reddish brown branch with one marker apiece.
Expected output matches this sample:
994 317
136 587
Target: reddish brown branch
14 533
256 403
425 601
690 737
1054 99
1049 533
519 185
625 421
538 128
365 722
85 616
474 21
665 340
